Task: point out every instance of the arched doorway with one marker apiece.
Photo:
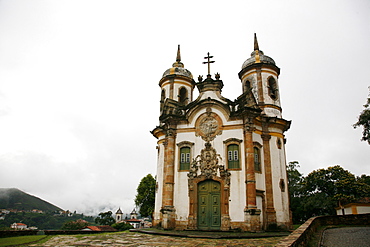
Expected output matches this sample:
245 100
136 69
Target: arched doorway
209 205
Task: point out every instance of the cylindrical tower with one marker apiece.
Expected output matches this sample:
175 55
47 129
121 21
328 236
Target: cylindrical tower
177 83
260 75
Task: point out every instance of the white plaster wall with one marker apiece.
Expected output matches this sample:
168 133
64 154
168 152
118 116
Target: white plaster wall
363 209
260 206
181 195
179 84
348 210
281 199
159 189
260 181
237 191
260 177
215 110
271 112
265 75
212 95
253 80
237 200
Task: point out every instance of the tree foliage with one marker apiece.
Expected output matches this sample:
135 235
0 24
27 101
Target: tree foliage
322 190
364 121
105 218
45 221
122 226
145 197
75 225
294 178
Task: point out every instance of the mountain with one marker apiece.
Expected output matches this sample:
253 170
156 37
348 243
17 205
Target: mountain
11 198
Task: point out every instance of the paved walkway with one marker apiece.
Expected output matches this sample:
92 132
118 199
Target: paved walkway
142 239
346 237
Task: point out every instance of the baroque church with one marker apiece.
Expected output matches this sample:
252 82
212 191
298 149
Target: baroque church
221 163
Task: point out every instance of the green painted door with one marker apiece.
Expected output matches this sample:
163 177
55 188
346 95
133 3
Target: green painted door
209 211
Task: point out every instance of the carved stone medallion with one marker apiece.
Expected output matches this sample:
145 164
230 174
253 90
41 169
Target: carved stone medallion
208 126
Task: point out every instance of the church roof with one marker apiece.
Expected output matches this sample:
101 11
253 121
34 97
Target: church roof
178 67
257 56
119 211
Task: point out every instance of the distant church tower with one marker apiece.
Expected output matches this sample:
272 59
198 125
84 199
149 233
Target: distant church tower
119 215
221 163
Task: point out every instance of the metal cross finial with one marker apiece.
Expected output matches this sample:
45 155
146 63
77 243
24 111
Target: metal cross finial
208 57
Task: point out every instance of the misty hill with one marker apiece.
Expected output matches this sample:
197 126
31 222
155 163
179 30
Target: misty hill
16 199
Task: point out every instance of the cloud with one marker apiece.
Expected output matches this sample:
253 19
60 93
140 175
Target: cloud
79 86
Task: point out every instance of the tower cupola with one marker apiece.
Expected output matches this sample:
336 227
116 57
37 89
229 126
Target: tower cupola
177 83
178 68
260 75
257 56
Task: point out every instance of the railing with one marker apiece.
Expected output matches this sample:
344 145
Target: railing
303 234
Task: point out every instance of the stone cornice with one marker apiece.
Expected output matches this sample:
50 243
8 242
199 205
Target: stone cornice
174 76
257 66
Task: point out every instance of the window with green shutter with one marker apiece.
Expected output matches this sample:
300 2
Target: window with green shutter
233 156
257 159
184 158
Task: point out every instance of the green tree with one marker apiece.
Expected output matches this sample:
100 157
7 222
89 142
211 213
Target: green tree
105 218
145 197
75 225
364 121
325 189
321 191
295 179
122 226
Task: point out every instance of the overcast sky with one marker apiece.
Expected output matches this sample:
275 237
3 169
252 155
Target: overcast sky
79 90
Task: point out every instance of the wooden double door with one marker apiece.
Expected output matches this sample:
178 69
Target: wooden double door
209 206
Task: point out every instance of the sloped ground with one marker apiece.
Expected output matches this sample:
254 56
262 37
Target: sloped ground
142 239
346 237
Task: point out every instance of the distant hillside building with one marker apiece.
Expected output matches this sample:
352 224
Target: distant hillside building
362 206
99 229
18 226
136 223
222 163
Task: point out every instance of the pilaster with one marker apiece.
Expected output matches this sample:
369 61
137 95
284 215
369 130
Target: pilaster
168 211
260 86
252 219
270 209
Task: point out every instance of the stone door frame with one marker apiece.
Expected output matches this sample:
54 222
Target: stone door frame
193 201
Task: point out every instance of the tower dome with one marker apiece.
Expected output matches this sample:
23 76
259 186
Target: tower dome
257 56
178 68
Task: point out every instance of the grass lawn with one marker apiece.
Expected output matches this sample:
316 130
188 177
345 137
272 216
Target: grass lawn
23 240
296 226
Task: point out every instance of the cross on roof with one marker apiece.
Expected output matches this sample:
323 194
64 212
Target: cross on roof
208 57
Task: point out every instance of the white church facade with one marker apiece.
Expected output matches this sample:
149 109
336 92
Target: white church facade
221 163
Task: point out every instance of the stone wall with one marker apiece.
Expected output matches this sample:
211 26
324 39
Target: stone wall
302 235
13 233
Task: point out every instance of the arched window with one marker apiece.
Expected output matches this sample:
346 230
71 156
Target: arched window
184 158
272 88
163 97
233 156
183 95
247 86
257 159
